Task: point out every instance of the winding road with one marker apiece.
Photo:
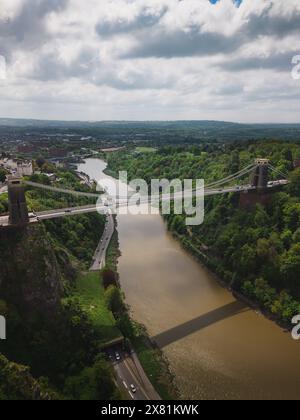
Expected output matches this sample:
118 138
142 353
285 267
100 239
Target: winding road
99 259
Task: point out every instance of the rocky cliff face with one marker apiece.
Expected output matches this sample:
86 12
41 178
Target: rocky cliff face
30 276
16 383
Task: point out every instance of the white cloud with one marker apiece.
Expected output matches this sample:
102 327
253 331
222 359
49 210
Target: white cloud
148 59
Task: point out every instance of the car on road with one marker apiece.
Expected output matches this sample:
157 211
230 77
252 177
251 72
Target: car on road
118 357
68 211
133 388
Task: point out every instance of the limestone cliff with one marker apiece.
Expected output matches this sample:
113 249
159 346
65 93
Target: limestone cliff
30 276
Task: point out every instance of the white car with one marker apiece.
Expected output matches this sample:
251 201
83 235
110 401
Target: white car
118 357
133 388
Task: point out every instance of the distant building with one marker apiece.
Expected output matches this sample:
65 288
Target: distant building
51 177
26 148
57 153
24 168
17 166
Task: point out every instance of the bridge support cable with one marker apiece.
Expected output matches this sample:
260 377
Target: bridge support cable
61 190
278 172
242 172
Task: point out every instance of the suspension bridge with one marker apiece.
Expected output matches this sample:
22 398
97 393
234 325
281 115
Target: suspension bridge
259 172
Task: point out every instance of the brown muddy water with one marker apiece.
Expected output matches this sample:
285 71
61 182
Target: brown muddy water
217 347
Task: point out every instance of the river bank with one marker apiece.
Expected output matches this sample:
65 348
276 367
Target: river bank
217 347
150 356
209 263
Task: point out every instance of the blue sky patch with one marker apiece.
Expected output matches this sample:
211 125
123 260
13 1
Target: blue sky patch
236 2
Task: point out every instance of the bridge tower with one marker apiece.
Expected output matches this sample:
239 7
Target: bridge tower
18 212
260 174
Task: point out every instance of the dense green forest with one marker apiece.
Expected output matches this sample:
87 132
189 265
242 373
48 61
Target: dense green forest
257 251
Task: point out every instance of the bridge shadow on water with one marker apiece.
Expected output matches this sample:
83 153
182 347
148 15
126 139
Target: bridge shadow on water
181 331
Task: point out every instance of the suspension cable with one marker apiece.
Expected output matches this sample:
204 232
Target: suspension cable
278 171
233 176
61 190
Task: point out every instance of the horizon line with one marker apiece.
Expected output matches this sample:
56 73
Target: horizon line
144 121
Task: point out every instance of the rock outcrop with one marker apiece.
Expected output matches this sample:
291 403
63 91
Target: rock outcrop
30 276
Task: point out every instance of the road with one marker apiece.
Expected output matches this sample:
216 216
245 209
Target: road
99 259
131 376
71 211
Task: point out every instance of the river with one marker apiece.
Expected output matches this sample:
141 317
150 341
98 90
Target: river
217 347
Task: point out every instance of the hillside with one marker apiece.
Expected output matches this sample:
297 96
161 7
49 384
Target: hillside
256 251
16 383
48 331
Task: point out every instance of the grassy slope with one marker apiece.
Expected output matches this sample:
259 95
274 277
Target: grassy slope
90 292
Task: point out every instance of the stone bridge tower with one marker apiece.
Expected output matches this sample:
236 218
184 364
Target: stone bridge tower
18 212
260 175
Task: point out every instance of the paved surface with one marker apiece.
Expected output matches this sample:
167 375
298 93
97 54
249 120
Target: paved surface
70 211
4 219
130 373
99 259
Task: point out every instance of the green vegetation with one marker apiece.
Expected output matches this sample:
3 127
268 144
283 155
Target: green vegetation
17 384
3 203
40 200
55 326
155 366
78 234
256 251
3 174
145 149
57 318
92 298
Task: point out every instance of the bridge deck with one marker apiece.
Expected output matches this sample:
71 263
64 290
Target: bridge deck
72 211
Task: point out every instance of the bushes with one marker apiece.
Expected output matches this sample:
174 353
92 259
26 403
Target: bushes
282 305
114 299
95 383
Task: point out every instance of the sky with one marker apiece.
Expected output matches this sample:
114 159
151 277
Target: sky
150 60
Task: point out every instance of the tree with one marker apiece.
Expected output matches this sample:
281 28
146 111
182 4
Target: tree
94 383
109 278
3 174
113 298
292 216
290 267
294 186
247 262
40 161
